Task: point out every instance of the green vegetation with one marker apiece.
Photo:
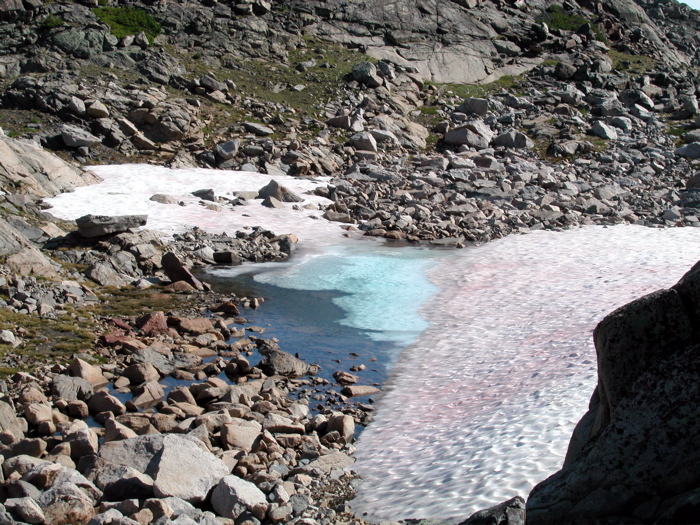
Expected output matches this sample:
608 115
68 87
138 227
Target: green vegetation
274 83
428 110
556 17
56 340
478 90
125 21
633 64
45 340
51 21
676 131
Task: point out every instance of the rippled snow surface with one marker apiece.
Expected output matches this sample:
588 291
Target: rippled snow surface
482 406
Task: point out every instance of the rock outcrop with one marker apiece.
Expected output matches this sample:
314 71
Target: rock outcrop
633 458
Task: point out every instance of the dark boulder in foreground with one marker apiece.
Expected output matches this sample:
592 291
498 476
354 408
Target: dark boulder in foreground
634 457
511 512
98 225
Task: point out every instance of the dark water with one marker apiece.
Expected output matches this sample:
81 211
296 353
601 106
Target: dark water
307 324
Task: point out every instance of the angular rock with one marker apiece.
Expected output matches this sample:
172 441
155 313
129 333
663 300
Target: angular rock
363 141
475 106
258 129
281 363
282 194
691 151
66 505
176 271
9 422
152 324
241 434
119 482
366 73
83 369
602 130
233 496
71 388
75 137
26 509
511 512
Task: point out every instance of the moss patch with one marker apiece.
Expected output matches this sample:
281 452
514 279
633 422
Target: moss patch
632 64
556 17
125 21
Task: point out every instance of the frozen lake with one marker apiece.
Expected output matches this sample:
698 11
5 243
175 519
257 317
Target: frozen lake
497 363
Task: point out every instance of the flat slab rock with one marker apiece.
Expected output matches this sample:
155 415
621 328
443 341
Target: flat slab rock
98 225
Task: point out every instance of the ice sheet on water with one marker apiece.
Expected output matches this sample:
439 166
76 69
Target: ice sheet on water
482 406
382 288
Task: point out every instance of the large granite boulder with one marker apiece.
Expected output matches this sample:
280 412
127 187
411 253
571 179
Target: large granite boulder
180 466
633 458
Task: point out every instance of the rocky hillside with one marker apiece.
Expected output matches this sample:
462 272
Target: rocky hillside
446 122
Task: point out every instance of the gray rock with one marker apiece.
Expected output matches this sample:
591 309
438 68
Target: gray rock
112 517
8 338
227 150
271 202
205 194
98 110
75 137
476 134
474 106
9 421
233 496
341 121
164 199
98 225
104 274
277 362
364 141
26 509
602 130
642 413
623 123
366 73
511 512
691 151
282 194
513 139
258 129
76 106
51 475
66 504
71 388
179 465
119 482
